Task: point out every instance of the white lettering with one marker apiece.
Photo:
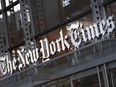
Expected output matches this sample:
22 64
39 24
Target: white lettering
21 56
35 55
110 24
58 45
44 48
102 27
52 48
77 36
27 58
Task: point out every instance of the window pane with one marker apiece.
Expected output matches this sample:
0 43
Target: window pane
112 77
15 24
111 11
90 81
75 7
14 20
9 2
47 13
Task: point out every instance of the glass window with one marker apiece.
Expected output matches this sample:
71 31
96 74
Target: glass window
106 47
102 79
15 23
8 2
74 7
112 77
90 81
86 54
64 82
47 13
110 10
14 20
113 47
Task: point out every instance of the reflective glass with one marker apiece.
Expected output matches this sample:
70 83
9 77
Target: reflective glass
9 2
15 24
110 10
112 77
90 81
47 13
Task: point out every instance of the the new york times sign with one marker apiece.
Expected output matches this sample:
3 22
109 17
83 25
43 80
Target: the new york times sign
77 35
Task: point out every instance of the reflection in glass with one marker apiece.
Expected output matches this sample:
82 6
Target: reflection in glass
15 24
112 77
75 7
14 21
65 82
110 10
47 13
9 2
90 81
102 79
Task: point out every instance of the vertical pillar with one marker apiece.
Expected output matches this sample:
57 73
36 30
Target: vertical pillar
4 33
103 13
40 13
105 76
41 17
98 74
96 10
26 30
71 81
32 23
2 38
112 79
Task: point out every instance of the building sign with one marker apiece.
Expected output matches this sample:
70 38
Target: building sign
77 35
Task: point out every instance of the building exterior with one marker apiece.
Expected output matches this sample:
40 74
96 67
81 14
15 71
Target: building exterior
57 43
